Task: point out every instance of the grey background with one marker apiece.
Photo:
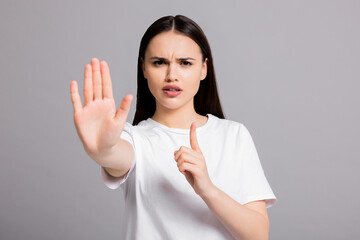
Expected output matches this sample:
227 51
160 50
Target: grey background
288 70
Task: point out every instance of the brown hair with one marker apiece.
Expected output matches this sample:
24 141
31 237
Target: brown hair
206 99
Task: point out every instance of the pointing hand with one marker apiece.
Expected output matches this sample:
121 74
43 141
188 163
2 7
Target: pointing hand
191 163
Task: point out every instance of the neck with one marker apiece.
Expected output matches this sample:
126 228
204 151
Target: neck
178 118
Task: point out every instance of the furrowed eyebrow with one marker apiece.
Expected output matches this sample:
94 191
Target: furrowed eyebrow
179 59
187 58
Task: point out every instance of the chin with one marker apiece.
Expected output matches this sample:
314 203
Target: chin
171 105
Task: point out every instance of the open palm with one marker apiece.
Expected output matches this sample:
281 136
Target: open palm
98 123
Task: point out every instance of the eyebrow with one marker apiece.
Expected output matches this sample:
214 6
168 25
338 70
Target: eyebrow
180 59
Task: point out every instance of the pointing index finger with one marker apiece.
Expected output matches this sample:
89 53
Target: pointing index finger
193 139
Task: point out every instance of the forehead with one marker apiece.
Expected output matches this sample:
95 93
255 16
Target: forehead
171 43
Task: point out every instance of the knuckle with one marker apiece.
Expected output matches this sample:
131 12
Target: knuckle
183 155
182 168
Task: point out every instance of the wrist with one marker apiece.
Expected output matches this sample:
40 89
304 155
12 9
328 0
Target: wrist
103 155
210 193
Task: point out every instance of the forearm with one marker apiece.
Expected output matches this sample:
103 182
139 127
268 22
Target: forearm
116 160
242 222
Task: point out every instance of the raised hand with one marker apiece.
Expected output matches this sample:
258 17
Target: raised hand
191 163
98 123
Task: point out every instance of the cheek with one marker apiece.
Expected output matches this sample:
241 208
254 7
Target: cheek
156 75
154 80
192 78
190 75
192 87
152 86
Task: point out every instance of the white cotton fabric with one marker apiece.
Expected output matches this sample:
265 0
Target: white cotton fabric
161 204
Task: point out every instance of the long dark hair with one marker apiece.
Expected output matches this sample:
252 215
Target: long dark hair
206 99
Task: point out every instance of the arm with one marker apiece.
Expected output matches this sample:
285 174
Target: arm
245 222
118 161
98 123
249 221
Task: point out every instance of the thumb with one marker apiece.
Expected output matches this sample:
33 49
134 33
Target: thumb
123 111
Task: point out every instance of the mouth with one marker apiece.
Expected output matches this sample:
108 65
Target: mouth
172 92
172 88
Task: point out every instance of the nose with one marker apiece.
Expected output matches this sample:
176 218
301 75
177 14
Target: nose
171 73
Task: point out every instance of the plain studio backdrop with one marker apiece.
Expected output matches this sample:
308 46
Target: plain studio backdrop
288 70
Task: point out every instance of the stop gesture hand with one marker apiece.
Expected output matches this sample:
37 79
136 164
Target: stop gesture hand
98 123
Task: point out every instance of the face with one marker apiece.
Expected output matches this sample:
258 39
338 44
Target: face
173 59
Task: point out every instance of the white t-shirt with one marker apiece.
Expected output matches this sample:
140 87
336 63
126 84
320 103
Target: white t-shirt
161 204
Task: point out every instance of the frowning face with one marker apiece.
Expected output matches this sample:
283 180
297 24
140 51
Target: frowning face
173 68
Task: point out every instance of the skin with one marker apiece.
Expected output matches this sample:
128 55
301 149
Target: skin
99 124
249 221
177 112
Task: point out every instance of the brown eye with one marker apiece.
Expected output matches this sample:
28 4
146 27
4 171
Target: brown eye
186 63
158 63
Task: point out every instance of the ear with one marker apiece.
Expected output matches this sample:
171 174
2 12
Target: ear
204 70
143 67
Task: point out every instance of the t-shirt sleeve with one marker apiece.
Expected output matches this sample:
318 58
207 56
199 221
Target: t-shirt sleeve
254 183
114 182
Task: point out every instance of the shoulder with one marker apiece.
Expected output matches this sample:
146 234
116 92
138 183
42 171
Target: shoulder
144 124
231 128
143 128
227 124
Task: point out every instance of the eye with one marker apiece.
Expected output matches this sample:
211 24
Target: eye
186 63
158 63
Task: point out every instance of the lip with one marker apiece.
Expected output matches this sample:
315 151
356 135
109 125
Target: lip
171 93
173 87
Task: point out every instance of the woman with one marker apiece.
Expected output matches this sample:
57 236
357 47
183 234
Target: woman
186 172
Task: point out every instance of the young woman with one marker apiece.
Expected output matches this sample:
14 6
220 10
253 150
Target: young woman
185 171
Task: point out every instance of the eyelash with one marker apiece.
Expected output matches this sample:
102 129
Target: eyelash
185 63
156 63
